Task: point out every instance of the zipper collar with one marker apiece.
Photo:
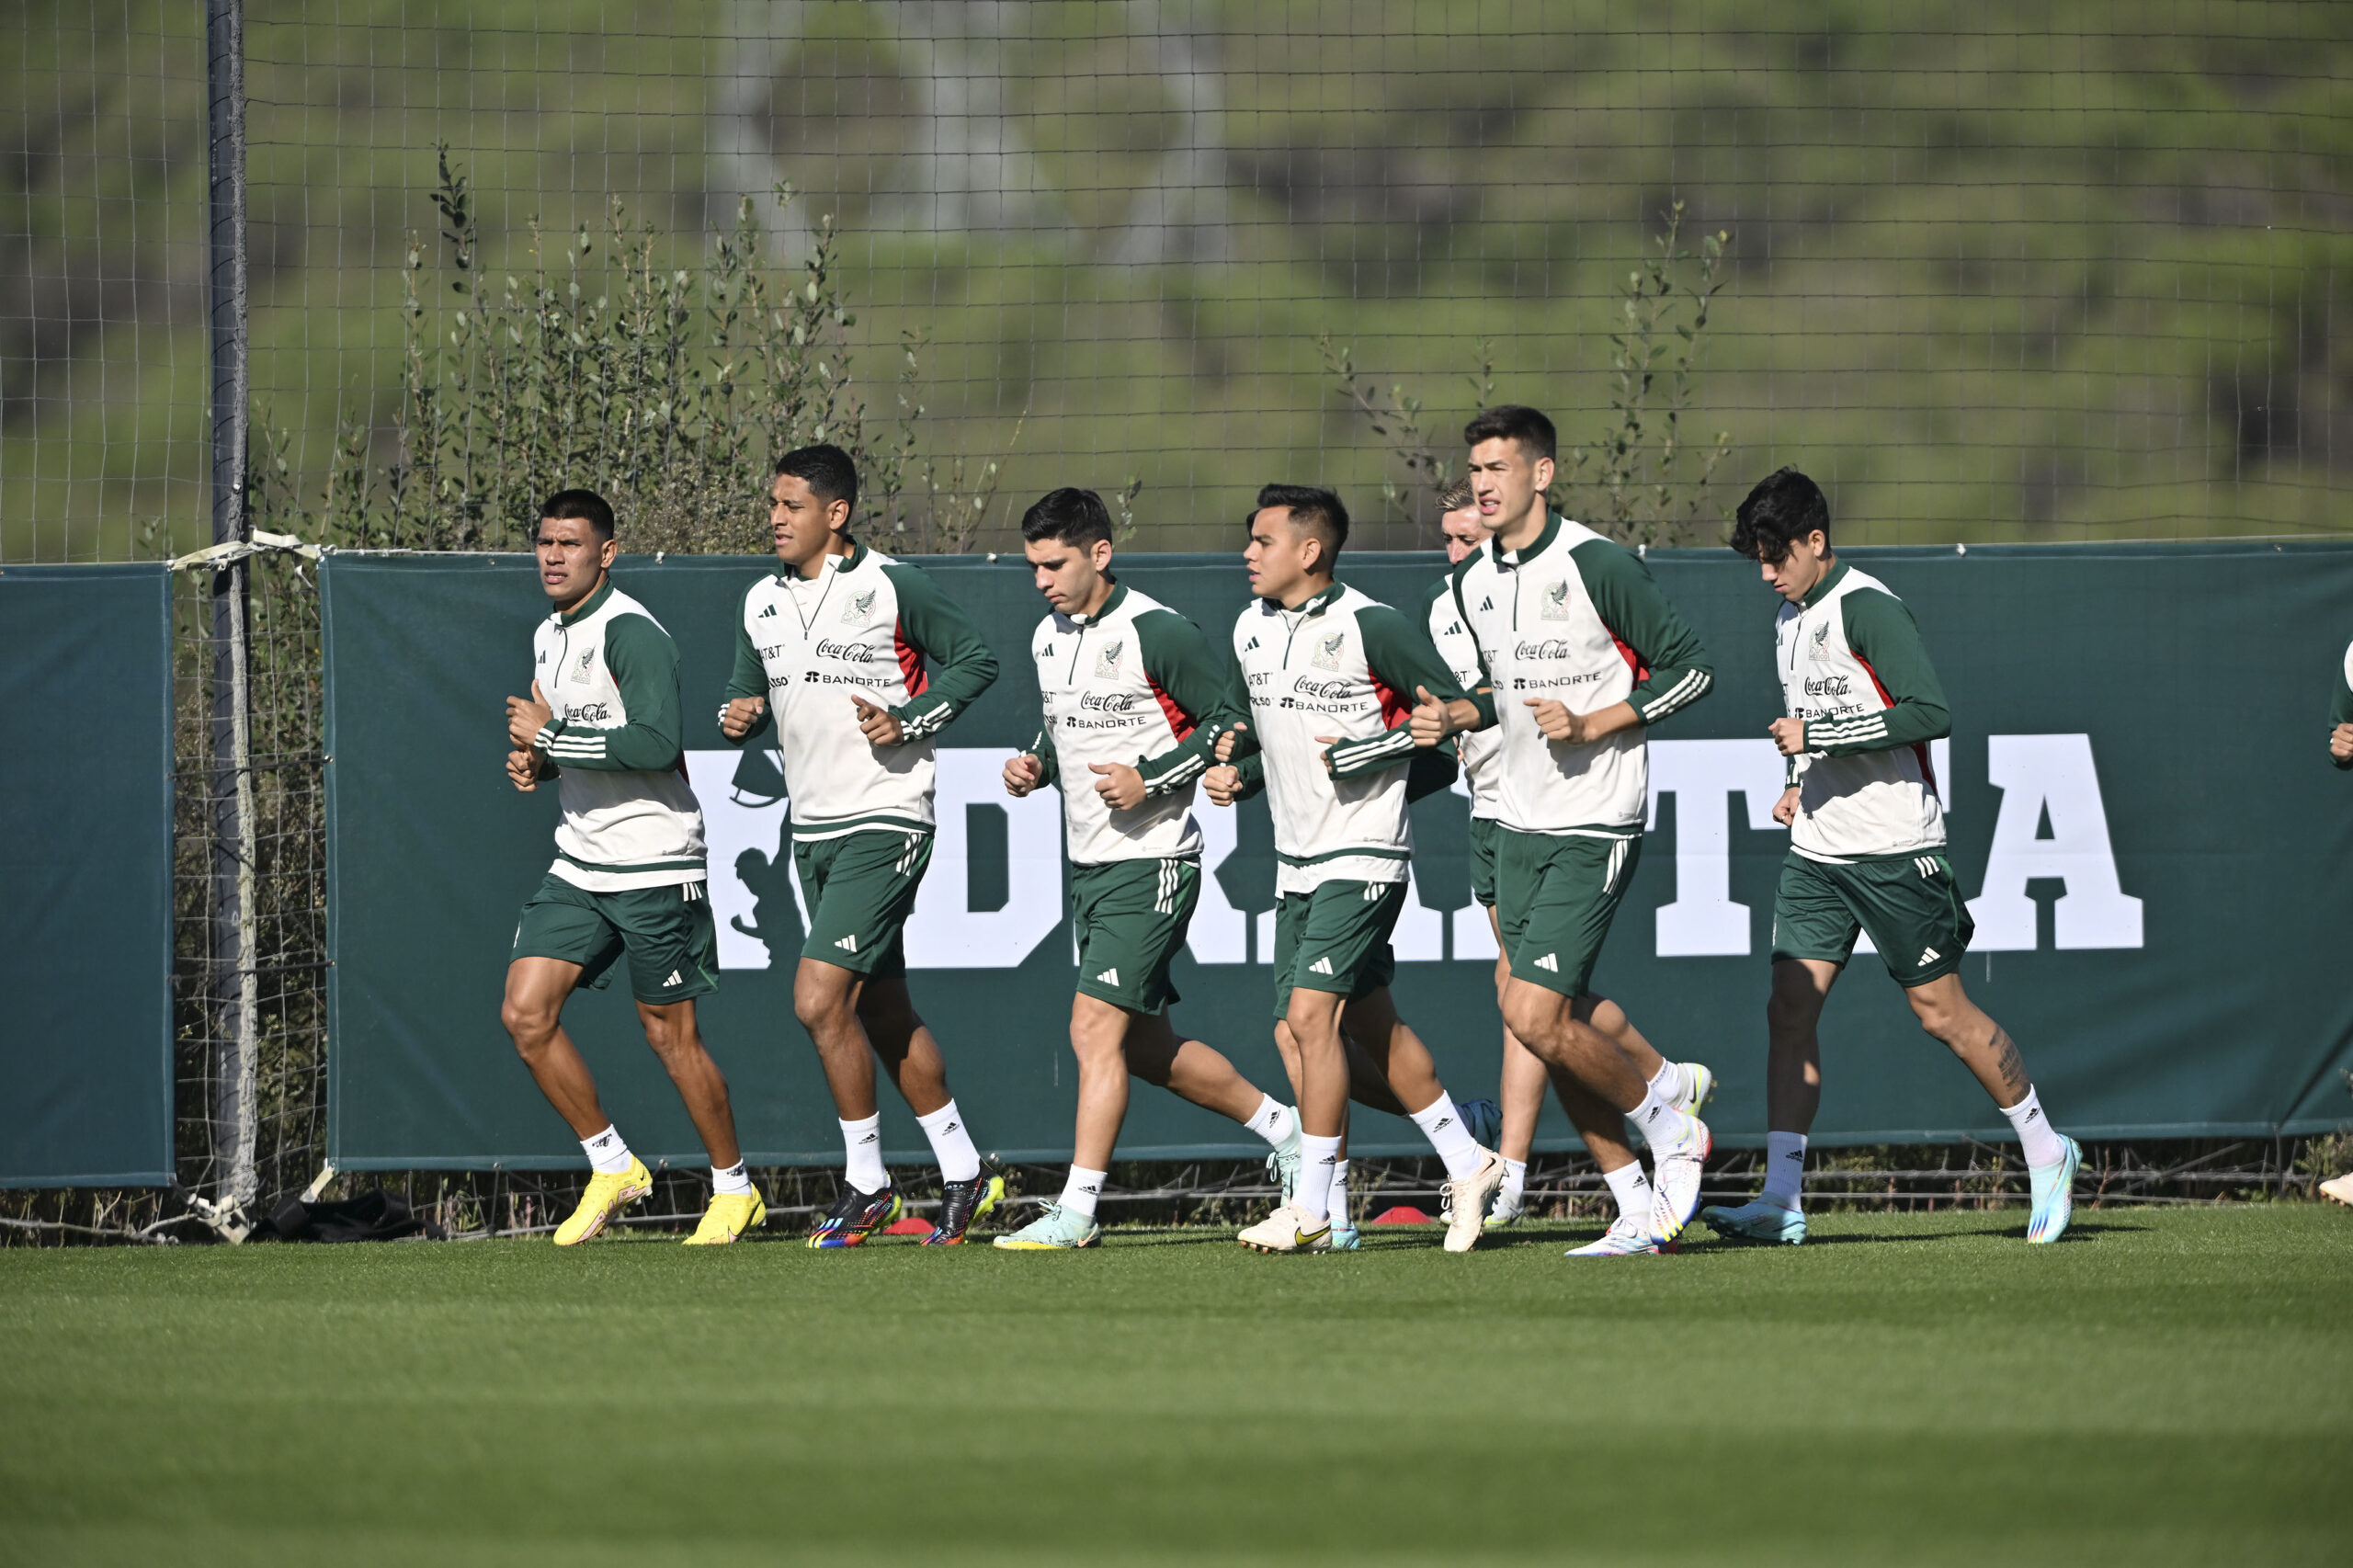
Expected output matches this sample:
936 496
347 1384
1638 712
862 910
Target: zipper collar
1830 580
1315 604
588 605
1518 559
1118 597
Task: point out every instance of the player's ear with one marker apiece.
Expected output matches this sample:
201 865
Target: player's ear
1545 469
607 552
838 514
1100 553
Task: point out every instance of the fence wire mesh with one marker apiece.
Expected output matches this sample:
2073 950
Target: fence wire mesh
2043 272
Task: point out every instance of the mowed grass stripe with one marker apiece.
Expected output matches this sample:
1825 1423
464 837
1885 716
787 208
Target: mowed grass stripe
2165 1387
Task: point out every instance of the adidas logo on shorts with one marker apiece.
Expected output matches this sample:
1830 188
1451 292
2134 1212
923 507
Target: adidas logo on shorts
674 978
1929 955
848 944
1108 977
1550 964
1321 966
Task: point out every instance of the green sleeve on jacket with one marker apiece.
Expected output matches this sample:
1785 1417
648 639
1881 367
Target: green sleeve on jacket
1483 695
644 663
1881 630
961 666
1050 764
749 677
1253 769
2340 702
1400 656
1641 617
1177 662
1231 714
1432 771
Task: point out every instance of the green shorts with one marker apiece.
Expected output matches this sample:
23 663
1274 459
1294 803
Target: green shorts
1556 896
1909 903
667 931
1482 860
1129 917
860 890
1336 939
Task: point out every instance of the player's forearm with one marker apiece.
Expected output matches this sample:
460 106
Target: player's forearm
1669 689
624 748
1373 754
1910 723
951 690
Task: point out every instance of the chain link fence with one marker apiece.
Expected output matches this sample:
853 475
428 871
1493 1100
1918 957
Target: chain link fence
2057 272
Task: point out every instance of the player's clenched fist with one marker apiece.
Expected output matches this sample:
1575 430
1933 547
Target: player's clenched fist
738 718
2340 742
1789 734
1784 810
1554 719
1222 784
1023 774
1120 785
1432 720
1226 743
879 726
525 717
523 770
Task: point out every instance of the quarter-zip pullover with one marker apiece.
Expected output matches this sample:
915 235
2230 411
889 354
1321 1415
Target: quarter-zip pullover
866 626
1476 749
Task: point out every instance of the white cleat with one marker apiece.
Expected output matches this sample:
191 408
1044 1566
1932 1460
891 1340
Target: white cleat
1675 1178
1626 1237
1507 1210
1467 1201
2341 1191
1288 1229
1699 1089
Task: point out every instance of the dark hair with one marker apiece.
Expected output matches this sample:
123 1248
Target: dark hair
827 470
1453 495
1311 507
1514 423
1070 514
580 505
1784 508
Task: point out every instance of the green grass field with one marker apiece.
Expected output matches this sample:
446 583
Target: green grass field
2162 1387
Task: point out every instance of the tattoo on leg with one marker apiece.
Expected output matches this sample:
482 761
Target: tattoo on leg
2007 1064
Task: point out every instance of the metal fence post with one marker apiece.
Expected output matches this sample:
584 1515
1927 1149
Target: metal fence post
235 983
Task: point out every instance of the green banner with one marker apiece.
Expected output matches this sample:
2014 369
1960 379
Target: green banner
2140 806
85 876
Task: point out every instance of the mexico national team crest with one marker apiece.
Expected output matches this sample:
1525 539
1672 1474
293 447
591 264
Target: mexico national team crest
1821 637
1555 604
860 606
1327 651
1107 658
587 658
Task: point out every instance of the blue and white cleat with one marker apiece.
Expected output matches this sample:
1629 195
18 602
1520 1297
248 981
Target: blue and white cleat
1283 1162
1756 1220
2054 1194
1699 1087
1344 1238
1056 1229
1484 1119
1626 1237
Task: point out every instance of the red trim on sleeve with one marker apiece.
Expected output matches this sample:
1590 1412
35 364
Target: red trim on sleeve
1177 718
911 669
1395 709
1633 660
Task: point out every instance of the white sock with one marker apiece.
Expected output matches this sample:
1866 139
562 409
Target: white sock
1669 1082
1515 1181
1784 1168
1664 1126
863 1140
1272 1120
2035 1132
608 1156
951 1144
1336 1209
1442 1125
1317 1158
1083 1190
734 1179
1631 1189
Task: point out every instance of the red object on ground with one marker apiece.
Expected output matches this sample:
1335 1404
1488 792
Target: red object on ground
910 1226
1404 1214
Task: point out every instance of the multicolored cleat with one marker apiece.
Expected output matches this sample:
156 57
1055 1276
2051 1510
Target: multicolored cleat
1343 1237
961 1203
606 1196
1056 1229
1759 1220
2054 1193
730 1215
1626 1237
1698 1087
855 1216
1675 1178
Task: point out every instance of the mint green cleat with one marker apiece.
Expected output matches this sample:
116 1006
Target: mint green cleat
1056 1229
1756 1220
1283 1164
1344 1238
2054 1194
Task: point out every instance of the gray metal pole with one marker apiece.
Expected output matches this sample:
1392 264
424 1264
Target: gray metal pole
235 983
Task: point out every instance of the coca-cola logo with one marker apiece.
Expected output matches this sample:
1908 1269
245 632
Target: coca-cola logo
587 713
1326 688
1551 648
1108 702
855 652
1825 686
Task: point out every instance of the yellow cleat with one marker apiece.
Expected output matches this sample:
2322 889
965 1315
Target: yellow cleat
730 1215
607 1196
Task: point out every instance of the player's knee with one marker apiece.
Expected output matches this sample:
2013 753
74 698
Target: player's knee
818 1002
1529 1012
529 1024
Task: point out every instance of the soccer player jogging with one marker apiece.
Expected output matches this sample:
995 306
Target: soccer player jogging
1125 682
859 661
1324 675
602 720
1867 853
1524 1074
1584 654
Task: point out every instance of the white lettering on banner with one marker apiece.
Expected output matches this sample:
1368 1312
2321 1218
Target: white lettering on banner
946 931
1219 933
2054 774
1703 920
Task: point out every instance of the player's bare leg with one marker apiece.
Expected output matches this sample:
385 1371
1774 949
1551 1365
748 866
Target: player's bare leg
670 1031
1403 1062
533 1013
